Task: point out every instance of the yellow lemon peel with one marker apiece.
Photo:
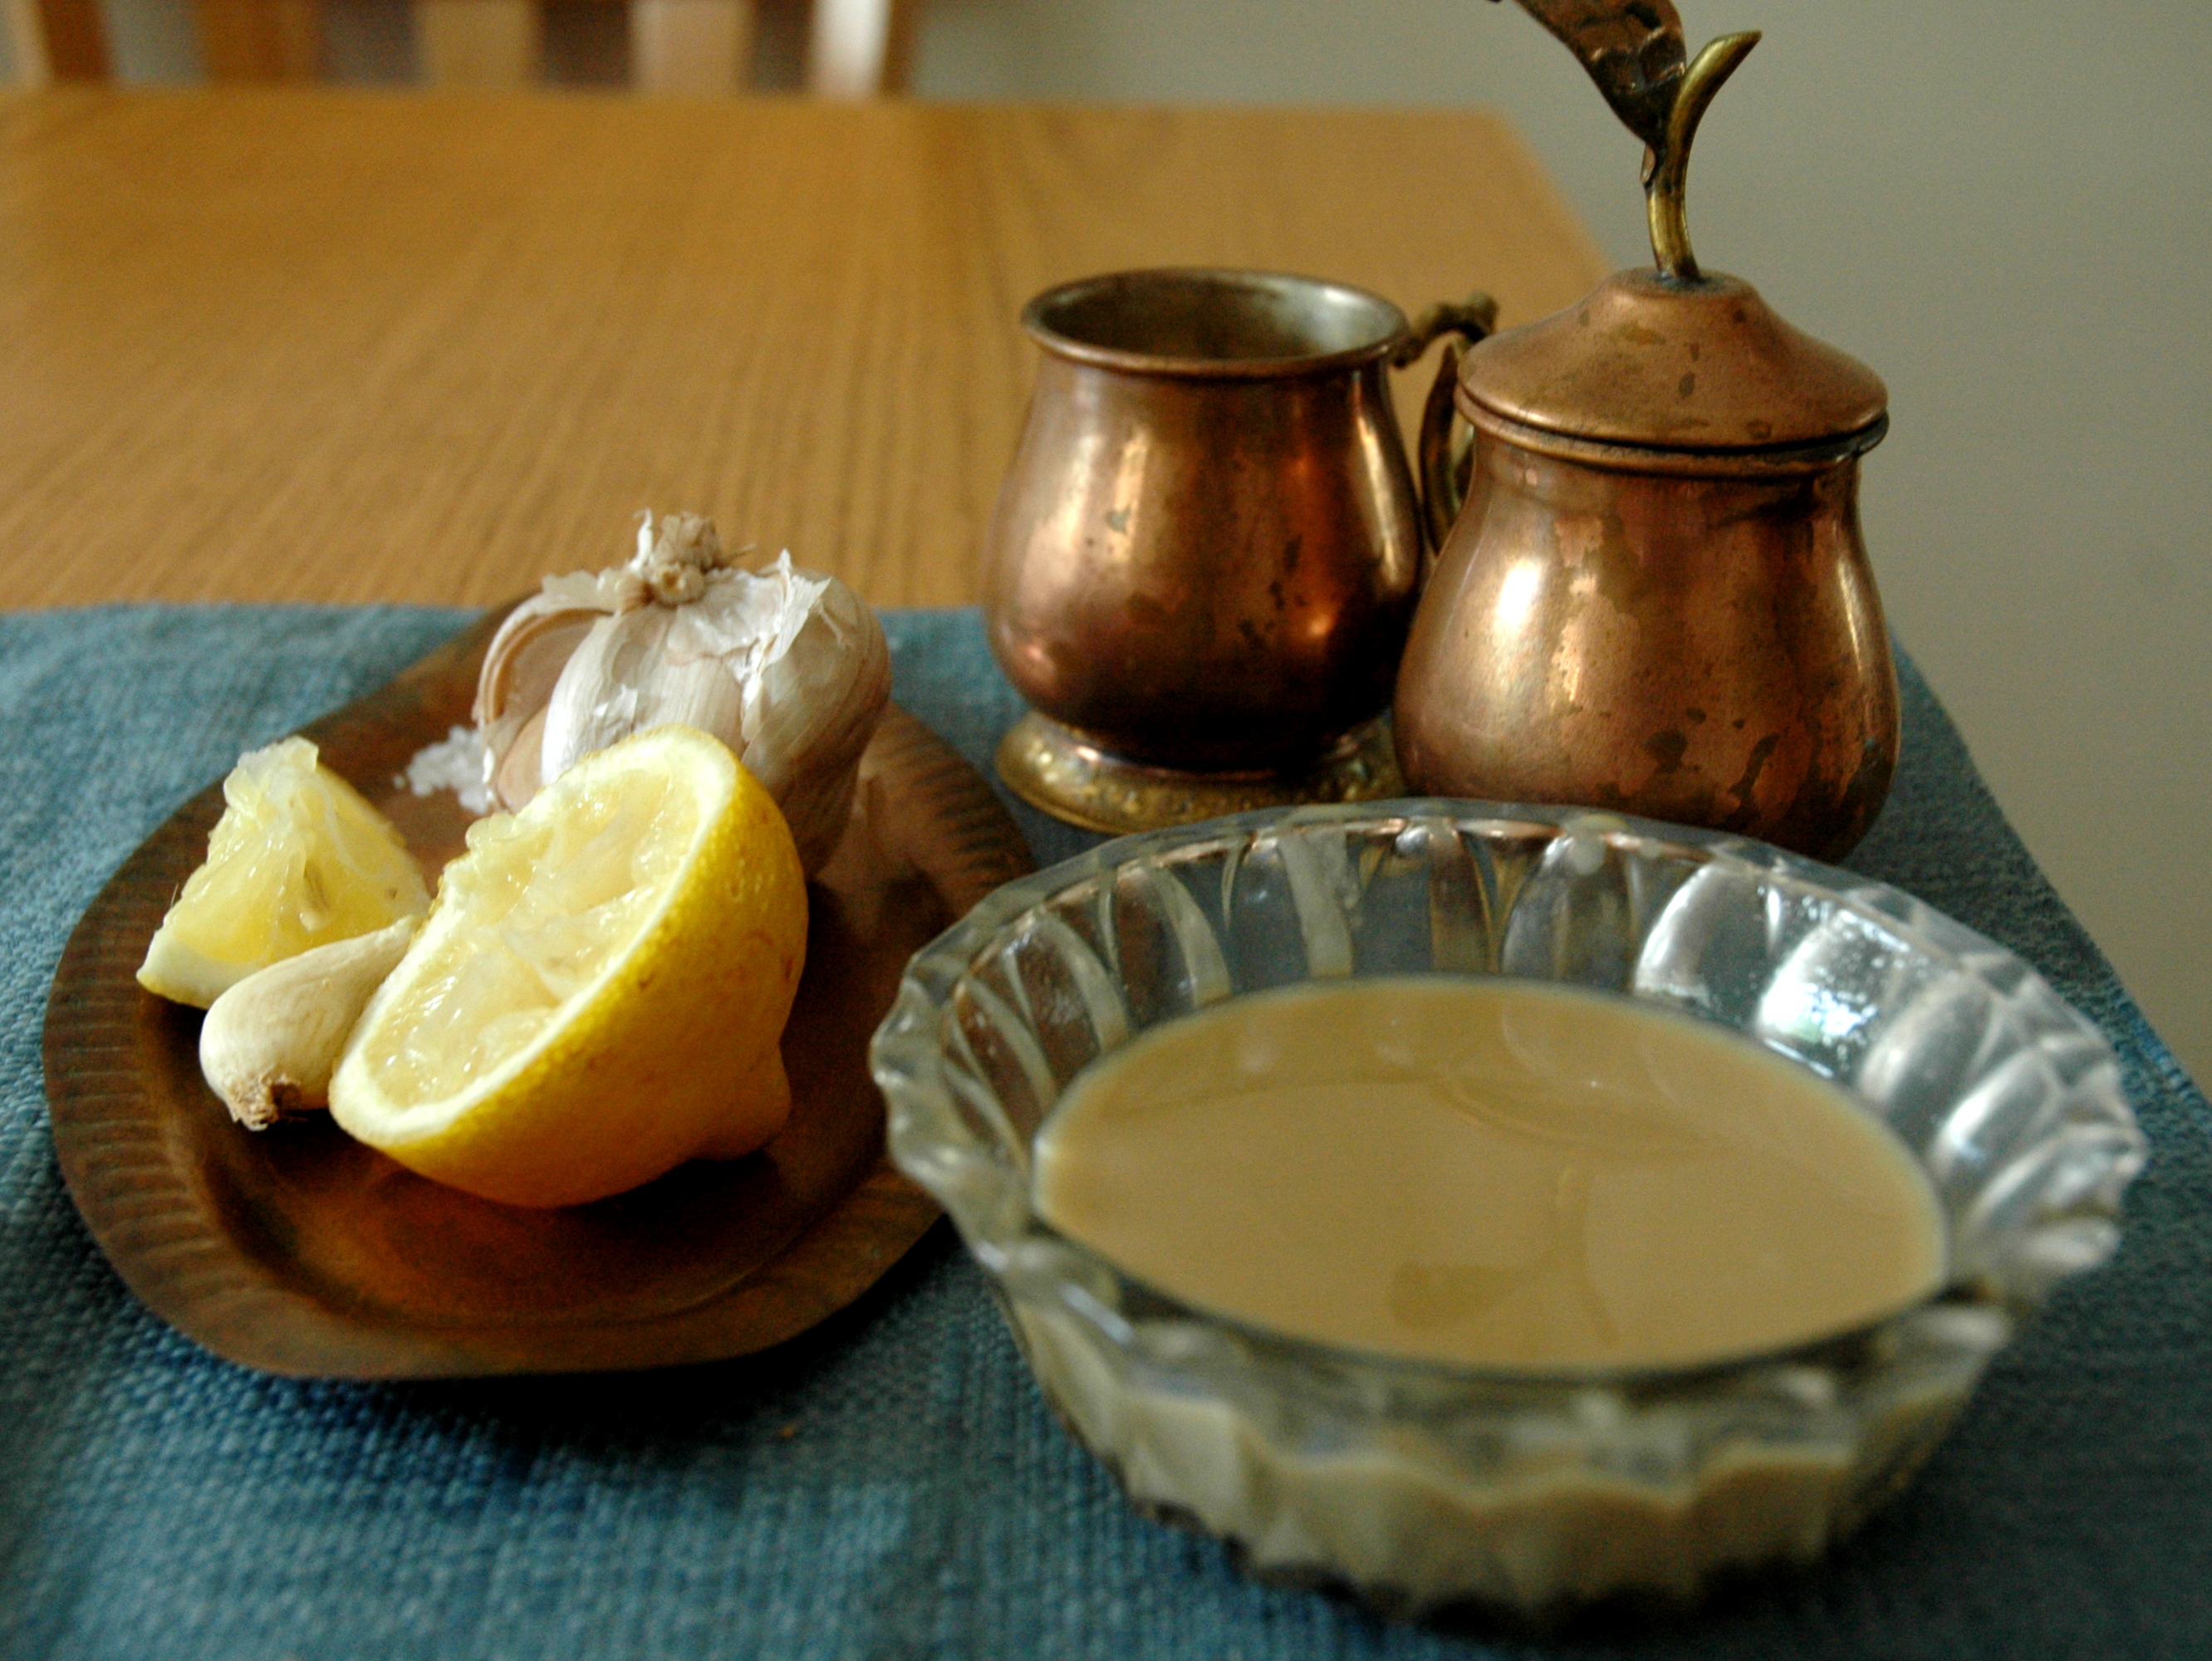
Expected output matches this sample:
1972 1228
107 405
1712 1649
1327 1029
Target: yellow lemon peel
598 994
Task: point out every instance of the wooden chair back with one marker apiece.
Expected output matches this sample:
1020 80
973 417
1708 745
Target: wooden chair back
856 48
56 40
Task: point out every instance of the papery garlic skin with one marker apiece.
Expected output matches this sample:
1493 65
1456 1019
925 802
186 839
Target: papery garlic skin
814 688
786 667
625 677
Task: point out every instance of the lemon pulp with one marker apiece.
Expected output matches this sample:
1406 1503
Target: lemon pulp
599 990
552 905
298 859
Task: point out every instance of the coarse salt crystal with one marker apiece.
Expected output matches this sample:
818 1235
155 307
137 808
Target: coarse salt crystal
455 763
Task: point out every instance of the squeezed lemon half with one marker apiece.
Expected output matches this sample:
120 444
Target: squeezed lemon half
598 994
298 859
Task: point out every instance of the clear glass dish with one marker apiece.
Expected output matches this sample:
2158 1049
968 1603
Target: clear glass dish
1421 1485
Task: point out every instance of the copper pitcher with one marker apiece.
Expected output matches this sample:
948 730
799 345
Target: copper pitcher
1207 551
1656 598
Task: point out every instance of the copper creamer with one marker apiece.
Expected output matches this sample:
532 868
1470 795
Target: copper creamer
1656 598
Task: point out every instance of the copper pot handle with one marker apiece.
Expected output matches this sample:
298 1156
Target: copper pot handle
1445 446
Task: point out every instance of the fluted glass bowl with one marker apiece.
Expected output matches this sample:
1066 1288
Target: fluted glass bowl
1420 1484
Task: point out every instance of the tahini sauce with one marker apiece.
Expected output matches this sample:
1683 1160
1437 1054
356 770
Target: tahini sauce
1493 1172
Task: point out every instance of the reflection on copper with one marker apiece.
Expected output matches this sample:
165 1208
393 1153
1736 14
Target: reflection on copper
1709 649
1208 548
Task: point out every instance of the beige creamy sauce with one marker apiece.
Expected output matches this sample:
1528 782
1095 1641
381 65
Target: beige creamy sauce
1495 1172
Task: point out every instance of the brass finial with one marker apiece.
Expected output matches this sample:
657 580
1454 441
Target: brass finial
1633 50
1666 182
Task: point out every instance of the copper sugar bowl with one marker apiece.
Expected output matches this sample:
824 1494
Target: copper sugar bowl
1209 546
1656 598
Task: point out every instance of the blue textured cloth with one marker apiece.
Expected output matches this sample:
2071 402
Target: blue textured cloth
891 1486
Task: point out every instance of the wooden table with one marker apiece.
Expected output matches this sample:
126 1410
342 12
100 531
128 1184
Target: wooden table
346 347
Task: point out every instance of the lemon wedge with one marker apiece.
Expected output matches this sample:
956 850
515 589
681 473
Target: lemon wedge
597 994
298 859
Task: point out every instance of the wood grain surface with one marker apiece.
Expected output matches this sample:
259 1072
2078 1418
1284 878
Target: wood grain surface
301 344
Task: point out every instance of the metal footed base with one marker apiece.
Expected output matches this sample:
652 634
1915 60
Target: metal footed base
1071 778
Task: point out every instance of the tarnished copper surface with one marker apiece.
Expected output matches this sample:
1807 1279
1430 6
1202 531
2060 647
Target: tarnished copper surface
1208 548
1689 365
1697 641
1049 768
299 1251
1656 597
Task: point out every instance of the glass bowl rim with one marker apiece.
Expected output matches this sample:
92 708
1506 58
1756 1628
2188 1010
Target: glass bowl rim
962 945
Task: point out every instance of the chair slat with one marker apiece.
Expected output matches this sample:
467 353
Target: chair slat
262 39
697 48
57 40
860 48
856 48
479 43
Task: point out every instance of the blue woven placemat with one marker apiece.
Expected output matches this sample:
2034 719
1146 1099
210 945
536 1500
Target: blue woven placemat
891 1486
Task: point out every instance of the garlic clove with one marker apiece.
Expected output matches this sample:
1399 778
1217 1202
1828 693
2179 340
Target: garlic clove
269 1044
595 701
521 771
523 664
815 709
624 679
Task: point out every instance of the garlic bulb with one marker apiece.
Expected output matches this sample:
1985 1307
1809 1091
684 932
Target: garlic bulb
786 667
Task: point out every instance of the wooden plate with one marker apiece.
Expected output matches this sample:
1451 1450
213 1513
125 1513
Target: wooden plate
298 1250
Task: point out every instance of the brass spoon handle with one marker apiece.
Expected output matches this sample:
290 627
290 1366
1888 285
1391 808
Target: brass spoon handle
1666 192
1632 48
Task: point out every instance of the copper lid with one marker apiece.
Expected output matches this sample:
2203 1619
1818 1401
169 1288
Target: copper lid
1672 358
1650 359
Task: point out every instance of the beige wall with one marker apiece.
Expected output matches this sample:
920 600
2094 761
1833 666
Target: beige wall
2001 206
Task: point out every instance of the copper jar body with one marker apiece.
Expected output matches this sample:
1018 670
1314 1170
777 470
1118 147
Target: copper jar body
1695 638
1209 549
